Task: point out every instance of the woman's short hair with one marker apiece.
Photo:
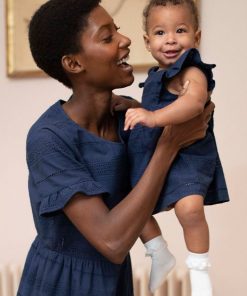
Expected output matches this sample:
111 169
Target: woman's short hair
54 31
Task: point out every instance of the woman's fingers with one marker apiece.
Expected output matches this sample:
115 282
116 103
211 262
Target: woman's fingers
208 111
184 88
206 116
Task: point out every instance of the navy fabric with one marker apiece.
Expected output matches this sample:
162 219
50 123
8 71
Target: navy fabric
64 159
197 169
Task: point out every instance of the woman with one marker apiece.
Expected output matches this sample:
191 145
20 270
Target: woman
86 216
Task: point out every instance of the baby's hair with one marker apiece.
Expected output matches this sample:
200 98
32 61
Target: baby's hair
55 30
153 3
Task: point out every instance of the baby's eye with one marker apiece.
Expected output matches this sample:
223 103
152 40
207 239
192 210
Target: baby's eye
181 30
160 32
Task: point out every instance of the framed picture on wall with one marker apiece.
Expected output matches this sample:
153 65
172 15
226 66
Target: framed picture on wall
19 59
126 13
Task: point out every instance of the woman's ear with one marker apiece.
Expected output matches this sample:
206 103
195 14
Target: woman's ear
146 40
72 64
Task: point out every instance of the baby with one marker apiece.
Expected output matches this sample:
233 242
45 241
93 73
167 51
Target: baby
175 91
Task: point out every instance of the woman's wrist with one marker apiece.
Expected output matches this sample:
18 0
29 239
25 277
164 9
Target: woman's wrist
169 139
167 145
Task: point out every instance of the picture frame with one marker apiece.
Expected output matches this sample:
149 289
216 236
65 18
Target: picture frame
18 15
19 59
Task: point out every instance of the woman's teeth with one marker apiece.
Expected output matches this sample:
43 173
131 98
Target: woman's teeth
122 61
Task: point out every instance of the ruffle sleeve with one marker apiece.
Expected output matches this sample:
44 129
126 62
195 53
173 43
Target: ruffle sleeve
192 58
56 172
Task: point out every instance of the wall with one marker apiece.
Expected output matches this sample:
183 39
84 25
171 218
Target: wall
23 100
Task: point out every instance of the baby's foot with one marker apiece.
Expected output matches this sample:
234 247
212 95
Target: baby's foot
162 263
200 283
199 276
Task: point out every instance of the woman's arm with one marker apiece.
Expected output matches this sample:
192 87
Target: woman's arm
190 103
113 232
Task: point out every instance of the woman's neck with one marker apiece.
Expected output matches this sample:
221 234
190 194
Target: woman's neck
92 111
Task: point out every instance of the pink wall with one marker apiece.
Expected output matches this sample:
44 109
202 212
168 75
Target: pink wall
23 100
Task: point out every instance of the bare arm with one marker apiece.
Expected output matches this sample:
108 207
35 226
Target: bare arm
189 104
113 232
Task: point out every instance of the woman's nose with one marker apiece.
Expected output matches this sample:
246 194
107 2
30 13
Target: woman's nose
124 41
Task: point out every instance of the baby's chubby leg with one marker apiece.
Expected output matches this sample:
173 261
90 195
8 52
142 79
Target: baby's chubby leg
190 213
162 260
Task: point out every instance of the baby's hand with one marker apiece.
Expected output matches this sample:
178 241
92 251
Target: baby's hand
138 115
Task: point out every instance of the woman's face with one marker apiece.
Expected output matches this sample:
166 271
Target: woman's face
105 52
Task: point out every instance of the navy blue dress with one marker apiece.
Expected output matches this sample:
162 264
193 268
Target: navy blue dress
197 169
64 159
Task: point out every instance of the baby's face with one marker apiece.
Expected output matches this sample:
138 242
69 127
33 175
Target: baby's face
170 32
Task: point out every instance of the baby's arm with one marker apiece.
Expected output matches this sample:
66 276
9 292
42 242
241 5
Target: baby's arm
189 104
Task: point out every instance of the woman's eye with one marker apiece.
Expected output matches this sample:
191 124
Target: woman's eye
181 30
107 39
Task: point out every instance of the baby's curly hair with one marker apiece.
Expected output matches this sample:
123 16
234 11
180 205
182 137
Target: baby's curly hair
54 31
152 3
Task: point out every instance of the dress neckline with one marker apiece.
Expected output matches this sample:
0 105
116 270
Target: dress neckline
64 114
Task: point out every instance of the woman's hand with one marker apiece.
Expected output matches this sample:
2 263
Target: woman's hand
121 103
185 134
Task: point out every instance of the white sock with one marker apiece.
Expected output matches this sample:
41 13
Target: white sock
162 261
199 277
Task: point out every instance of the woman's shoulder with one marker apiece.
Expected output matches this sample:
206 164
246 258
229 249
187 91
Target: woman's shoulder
54 131
51 127
48 117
